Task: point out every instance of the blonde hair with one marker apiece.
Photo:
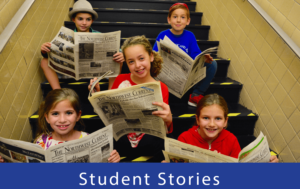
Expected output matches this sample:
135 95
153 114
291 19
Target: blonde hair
179 6
156 65
51 100
212 99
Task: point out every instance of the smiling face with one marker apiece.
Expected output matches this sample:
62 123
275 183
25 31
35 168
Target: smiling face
178 21
83 21
139 63
211 121
62 118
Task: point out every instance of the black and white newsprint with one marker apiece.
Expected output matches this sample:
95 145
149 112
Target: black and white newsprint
130 109
95 147
176 151
180 72
83 54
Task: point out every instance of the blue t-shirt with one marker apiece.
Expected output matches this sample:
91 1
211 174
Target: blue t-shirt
186 41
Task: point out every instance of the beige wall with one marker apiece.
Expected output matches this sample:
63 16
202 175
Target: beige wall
8 8
286 13
265 65
20 73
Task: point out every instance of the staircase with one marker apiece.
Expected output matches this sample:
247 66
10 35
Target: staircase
149 18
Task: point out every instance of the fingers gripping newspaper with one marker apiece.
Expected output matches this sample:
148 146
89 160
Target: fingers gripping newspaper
83 54
130 109
95 147
176 151
180 72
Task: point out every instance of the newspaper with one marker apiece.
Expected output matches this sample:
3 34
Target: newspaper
130 109
180 72
176 151
95 147
83 54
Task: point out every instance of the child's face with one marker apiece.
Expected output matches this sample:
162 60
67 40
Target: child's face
178 21
62 118
139 62
211 121
83 22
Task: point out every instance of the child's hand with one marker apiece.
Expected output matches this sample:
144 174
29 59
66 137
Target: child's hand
45 47
274 159
164 161
118 57
208 58
1 159
114 157
97 86
165 114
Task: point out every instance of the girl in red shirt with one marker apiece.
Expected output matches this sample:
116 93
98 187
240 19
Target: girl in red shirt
210 132
144 64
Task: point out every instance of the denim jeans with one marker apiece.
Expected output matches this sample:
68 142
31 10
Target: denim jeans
202 86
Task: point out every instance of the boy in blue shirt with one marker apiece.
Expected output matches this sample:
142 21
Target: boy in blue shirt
179 18
83 16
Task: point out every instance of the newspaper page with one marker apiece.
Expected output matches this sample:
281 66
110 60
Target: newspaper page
257 151
176 151
94 52
95 147
180 72
16 151
61 56
83 54
130 109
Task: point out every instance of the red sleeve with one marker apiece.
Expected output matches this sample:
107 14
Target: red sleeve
165 96
236 149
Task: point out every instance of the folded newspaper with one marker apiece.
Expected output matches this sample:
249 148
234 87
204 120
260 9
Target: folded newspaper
176 151
95 147
180 72
83 54
130 109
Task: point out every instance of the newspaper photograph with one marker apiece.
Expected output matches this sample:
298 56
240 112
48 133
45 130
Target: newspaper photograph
83 54
180 72
176 151
95 147
130 109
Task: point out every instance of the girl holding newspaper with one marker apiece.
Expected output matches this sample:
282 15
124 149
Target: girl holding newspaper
210 132
144 64
60 120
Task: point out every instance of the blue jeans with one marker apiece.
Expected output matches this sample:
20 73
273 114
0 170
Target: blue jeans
202 86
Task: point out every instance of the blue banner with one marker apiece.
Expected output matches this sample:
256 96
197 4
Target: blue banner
149 175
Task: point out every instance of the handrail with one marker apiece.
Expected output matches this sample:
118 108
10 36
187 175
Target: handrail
14 23
277 28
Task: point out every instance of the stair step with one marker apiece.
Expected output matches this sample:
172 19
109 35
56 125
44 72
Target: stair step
136 4
229 89
139 15
150 30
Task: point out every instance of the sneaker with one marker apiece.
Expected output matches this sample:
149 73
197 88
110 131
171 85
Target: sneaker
194 101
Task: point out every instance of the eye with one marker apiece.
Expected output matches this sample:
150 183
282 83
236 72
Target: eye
218 118
183 17
69 112
80 19
141 58
88 19
54 113
130 62
174 16
205 118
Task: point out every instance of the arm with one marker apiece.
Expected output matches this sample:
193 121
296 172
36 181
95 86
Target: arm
274 159
97 86
1 159
45 48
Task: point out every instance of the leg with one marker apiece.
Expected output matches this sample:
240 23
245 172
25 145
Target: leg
50 74
201 87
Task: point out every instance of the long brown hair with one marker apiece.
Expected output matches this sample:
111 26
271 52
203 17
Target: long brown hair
51 100
212 99
156 65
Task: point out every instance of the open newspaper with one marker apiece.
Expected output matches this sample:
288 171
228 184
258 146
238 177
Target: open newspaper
83 54
130 109
176 151
180 72
95 147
